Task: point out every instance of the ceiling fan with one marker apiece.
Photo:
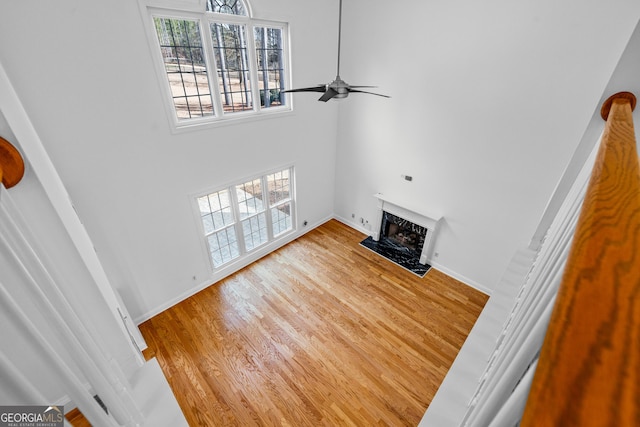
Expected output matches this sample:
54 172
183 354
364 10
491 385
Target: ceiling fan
338 88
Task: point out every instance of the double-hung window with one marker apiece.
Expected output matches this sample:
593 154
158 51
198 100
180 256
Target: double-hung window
220 63
244 217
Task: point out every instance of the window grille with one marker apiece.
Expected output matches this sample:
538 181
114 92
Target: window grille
279 189
183 56
269 55
218 221
251 208
229 44
231 7
243 217
219 66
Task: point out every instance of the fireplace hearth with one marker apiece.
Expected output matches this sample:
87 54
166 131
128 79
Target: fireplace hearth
404 236
401 242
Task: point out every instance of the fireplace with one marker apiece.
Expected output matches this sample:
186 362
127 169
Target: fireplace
402 232
404 235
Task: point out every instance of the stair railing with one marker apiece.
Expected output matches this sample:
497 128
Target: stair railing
588 372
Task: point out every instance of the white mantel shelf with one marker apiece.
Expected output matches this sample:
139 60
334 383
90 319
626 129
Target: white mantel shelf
429 220
430 216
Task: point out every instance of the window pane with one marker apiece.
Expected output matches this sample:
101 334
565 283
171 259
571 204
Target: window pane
230 46
203 205
215 211
269 55
281 218
207 221
183 56
223 246
278 186
250 198
239 219
255 231
232 7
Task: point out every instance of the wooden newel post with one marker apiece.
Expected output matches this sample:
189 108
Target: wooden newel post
588 372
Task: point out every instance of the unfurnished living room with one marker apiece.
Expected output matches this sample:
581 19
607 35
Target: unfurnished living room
349 212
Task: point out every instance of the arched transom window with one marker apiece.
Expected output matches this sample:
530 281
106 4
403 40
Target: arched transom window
232 7
220 63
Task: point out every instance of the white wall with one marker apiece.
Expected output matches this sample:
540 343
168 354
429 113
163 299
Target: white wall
85 76
451 402
488 104
489 101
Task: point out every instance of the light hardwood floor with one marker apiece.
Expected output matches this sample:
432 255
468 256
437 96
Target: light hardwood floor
320 332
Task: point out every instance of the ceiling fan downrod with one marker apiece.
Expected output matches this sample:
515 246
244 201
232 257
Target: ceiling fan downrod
338 88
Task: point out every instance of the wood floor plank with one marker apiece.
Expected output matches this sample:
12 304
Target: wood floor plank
320 332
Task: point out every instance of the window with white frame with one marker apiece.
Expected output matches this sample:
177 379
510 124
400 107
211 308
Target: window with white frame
243 217
221 63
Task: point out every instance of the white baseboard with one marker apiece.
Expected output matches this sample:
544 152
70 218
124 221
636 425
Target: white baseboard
437 266
234 267
461 278
230 269
353 224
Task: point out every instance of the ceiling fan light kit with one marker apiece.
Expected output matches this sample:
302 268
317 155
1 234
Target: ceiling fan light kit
338 88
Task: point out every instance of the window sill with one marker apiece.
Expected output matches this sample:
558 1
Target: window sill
240 118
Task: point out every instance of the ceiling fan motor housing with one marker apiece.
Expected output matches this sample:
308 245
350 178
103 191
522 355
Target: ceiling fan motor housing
338 88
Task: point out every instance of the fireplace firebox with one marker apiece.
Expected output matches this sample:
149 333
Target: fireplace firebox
403 236
403 232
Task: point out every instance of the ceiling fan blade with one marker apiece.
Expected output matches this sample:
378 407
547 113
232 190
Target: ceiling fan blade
370 93
330 93
338 88
319 88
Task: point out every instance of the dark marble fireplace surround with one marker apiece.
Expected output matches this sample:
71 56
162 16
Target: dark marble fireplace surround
401 241
403 232
404 235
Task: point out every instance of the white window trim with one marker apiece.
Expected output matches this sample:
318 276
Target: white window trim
196 11
237 225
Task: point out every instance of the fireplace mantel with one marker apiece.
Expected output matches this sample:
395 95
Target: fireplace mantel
430 221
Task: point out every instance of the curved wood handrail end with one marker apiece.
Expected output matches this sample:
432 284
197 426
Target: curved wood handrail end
606 106
11 164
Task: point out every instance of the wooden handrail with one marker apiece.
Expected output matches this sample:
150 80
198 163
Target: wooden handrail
11 164
588 372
